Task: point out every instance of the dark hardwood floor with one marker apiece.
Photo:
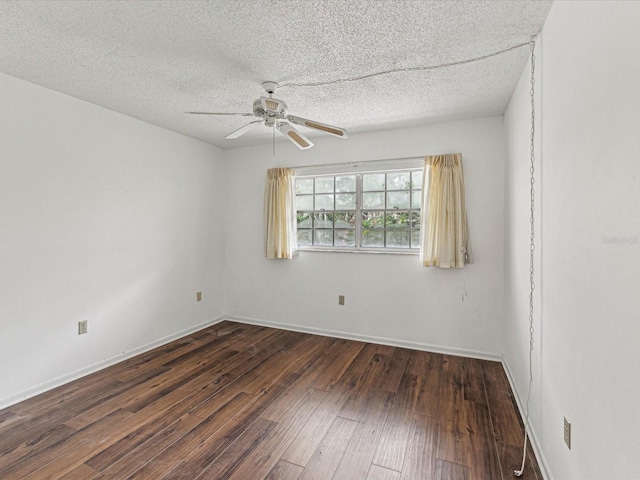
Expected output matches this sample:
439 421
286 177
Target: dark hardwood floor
247 402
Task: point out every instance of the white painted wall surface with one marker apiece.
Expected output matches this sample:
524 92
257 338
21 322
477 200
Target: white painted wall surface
102 218
588 329
389 297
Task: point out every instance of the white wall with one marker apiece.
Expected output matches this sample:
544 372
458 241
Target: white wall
388 297
102 218
587 350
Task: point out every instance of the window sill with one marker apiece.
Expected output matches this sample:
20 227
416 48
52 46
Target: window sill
386 251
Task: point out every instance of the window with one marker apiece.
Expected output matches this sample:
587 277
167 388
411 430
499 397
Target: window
376 211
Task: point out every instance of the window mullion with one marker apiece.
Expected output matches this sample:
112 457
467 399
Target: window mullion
358 211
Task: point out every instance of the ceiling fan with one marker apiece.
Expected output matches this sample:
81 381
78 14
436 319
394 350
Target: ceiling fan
273 113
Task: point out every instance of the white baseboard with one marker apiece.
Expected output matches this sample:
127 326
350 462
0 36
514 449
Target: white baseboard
61 380
461 352
533 438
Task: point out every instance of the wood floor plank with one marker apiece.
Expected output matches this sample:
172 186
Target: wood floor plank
197 442
450 471
482 455
325 460
284 471
368 382
195 451
420 454
306 442
226 464
81 472
510 458
126 465
28 428
240 401
505 420
427 367
162 355
66 454
337 360
452 434
453 440
7 417
397 428
451 387
377 472
473 381
364 443
41 441
280 438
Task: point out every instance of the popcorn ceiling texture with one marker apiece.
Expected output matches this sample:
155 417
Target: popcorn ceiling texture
153 60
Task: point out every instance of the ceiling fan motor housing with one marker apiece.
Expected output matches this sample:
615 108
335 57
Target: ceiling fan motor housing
268 106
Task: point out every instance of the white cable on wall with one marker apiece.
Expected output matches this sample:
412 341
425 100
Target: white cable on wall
407 69
532 247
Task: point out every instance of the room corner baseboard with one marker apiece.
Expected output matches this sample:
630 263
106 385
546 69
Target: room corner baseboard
394 342
61 380
533 438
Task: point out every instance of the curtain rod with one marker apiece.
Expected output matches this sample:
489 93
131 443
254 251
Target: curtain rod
361 162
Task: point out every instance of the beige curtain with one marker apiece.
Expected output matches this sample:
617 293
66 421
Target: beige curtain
444 240
279 213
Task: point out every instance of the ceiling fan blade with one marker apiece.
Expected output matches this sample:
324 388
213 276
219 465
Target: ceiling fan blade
220 113
294 135
243 130
330 129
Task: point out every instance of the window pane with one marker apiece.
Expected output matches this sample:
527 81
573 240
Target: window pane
398 200
373 181
416 180
323 237
372 220
345 220
304 185
398 181
324 185
345 238
346 183
415 198
415 238
373 238
304 202
324 202
322 220
304 237
415 219
397 220
304 220
373 200
398 238
345 201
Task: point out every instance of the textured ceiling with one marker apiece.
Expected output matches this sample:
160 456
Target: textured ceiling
154 60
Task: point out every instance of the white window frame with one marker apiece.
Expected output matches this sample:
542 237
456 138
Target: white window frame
411 164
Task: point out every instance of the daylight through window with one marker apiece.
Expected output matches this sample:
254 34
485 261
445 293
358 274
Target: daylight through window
366 211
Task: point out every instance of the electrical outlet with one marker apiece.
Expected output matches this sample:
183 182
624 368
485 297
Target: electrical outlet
198 296
567 433
340 299
82 327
